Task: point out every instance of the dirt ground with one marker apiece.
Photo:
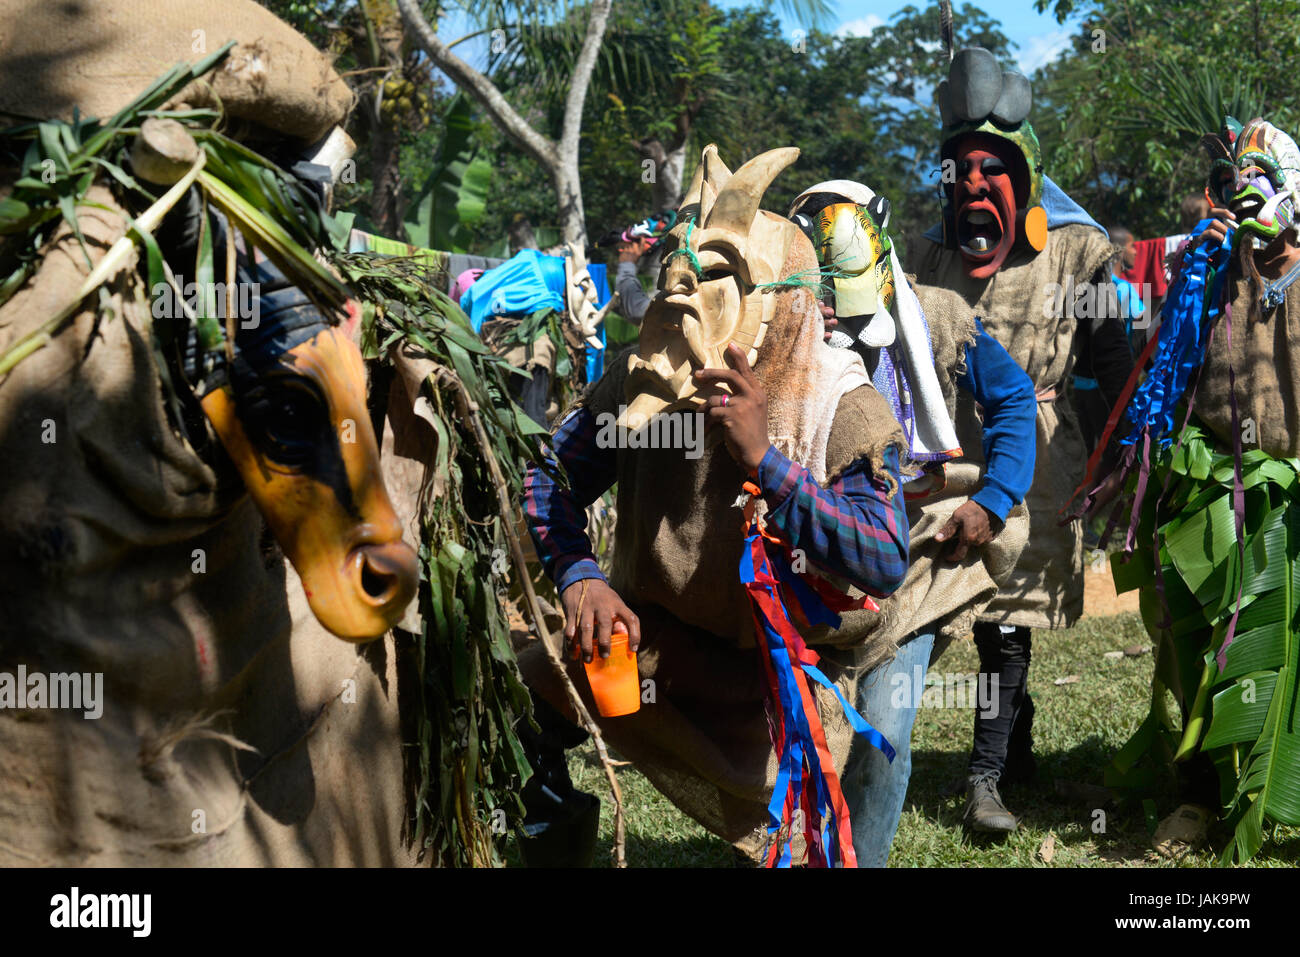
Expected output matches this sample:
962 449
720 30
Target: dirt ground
1099 596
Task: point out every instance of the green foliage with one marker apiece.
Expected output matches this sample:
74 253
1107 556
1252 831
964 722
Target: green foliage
1120 114
857 107
471 765
454 195
1241 716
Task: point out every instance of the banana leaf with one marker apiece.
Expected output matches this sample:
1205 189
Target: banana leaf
1239 703
454 196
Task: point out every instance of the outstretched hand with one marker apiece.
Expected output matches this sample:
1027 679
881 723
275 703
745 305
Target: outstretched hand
968 527
742 414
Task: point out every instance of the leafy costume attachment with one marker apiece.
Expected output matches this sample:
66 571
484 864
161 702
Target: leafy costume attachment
466 767
1220 586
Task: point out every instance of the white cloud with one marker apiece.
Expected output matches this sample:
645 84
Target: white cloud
1042 48
861 27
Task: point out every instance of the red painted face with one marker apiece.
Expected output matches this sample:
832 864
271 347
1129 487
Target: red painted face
984 198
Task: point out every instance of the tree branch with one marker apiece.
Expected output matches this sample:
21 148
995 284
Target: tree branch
581 79
482 89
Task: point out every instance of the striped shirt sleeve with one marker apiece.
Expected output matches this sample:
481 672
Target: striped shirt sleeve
557 516
853 530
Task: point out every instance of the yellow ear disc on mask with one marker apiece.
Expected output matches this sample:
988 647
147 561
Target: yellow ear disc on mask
1035 228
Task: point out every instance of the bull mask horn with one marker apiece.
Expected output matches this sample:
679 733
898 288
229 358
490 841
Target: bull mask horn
710 176
737 202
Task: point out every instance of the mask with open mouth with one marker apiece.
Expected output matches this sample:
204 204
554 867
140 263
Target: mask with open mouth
984 200
1255 172
993 171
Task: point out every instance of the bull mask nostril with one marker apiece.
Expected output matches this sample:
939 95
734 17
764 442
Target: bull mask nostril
378 585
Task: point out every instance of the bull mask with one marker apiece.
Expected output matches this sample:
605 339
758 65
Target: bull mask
717 259
299 434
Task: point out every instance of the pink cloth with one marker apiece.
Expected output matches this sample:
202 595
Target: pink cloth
463 282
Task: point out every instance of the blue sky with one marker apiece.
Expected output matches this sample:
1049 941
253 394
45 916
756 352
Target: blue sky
1038 37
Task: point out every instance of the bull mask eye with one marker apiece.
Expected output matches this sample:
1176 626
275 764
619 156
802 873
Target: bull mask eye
717 273
287 417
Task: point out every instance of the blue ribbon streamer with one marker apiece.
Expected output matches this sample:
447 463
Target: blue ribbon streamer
1183 338
798 743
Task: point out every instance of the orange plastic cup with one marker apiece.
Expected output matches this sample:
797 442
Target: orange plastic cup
615 681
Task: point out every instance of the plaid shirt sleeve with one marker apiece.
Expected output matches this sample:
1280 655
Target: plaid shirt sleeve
853 529
556 516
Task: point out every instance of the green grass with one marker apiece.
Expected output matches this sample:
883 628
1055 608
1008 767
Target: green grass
1077 729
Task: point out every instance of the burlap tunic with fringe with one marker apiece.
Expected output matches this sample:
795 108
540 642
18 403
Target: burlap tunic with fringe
704 741
938 594
1016 308
1265 358
235 729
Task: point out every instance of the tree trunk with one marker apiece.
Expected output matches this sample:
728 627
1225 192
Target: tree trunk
520 233
668 185
384 44
559 159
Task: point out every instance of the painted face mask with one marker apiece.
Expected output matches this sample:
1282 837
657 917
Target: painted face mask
300 436
1255 172
290 411
984 201
717 261
847 224
993 170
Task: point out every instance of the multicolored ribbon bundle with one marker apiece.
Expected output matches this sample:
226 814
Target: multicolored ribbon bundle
806 779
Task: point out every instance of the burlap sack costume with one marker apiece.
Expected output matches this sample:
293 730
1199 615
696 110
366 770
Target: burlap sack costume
222 694
100 55
235 729
704 742
1265 357
949 597
1015 306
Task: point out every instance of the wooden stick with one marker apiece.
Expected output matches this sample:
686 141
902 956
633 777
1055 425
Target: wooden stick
469 410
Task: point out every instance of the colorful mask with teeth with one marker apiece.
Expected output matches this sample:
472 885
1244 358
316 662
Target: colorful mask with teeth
993 170
1255 172
719 261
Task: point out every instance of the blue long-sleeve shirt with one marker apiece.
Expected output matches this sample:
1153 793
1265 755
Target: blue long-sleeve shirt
854 530
1006 394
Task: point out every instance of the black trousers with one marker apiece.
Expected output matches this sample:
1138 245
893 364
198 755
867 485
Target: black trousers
1004 657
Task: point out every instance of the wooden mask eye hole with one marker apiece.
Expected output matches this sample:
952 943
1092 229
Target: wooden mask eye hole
286 417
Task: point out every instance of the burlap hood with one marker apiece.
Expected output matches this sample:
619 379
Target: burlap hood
98 55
